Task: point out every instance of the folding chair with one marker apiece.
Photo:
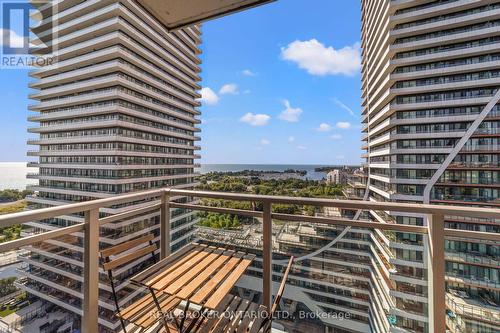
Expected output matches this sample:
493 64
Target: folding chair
141 313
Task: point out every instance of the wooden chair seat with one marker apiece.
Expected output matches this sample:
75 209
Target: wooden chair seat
144 311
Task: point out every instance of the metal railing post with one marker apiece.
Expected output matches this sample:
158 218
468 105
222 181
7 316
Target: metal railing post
165 225
267 254
91 272
436 274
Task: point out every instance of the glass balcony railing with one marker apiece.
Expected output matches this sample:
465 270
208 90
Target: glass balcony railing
472 308
481 147
472 279
445 112
466 198
424 6
447 48
465 257
346 269
449 32
447 80
445 17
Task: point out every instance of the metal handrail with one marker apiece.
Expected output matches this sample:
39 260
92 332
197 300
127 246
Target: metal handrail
44 213
39 214
434 232
348 204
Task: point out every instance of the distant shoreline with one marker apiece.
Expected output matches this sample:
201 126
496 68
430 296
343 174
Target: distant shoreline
311 171
259 164
13 174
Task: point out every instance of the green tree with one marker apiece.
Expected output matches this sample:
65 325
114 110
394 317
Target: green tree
7 286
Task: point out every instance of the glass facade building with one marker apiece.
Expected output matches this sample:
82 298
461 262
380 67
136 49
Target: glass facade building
116 113
430 116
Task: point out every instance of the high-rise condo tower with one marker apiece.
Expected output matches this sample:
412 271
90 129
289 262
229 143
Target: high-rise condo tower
430 118
117 113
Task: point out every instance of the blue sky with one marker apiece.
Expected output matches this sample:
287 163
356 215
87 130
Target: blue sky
315 79
281 85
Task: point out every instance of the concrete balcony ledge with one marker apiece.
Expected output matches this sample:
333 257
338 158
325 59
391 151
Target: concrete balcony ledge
436 41
93 124
427 135
446 70
407 279
433 10
471 258
406 246
446 23
109 152
115 181
408 296
458 85
160 80
114 166
112 138
440 103
410 315
471 51
98 110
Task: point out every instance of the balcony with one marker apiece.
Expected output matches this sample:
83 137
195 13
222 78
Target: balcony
473 258
264 272
473 308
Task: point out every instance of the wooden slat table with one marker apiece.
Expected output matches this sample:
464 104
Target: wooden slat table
198 273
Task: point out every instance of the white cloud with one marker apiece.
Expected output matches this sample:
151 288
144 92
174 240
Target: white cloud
290 114
291 139
343 125
318 59
343 106
255 119
247 91
208 96
265 142
324 127
229 88
301 147
248 72
336 136
15 40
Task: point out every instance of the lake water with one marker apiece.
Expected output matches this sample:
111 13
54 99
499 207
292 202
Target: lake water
311 173
13 174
